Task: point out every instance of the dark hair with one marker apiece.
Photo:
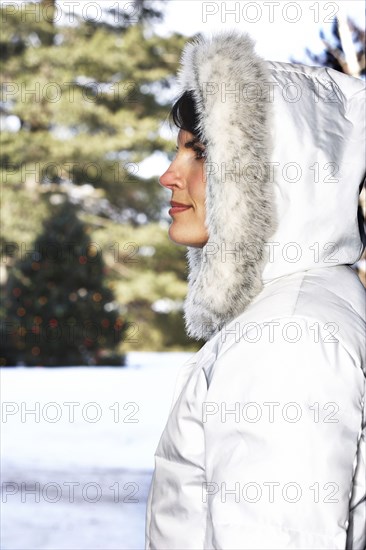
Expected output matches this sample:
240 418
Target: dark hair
184 113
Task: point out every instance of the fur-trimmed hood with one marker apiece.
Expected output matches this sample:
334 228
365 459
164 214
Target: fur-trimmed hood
285 162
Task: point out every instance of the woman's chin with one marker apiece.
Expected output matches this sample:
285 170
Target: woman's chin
178 237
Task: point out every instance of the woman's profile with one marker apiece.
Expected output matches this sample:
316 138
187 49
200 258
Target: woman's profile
264 447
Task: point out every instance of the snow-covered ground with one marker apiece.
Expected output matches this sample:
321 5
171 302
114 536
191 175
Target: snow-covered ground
77 448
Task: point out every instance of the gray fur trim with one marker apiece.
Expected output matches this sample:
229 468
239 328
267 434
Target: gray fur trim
240 212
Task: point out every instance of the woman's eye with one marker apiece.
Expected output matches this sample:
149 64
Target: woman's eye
200 153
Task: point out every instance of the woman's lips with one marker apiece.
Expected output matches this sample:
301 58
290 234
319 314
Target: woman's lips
177 209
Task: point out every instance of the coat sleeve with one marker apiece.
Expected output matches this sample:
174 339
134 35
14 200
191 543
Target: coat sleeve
356 534
283 423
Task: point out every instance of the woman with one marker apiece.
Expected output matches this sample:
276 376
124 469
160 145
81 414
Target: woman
264 446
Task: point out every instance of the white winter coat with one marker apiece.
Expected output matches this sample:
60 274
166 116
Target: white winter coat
264 447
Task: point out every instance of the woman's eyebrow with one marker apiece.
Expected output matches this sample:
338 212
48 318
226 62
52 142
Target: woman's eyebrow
192 143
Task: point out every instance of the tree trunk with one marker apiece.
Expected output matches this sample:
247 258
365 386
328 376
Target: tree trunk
48 8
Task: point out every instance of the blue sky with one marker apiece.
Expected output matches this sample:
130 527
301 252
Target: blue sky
280 27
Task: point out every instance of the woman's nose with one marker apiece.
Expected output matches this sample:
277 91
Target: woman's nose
169 178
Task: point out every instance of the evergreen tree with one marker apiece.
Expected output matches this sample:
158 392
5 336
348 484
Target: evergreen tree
83 101
87 100
58 310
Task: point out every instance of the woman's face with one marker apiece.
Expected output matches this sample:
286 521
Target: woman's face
185 177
